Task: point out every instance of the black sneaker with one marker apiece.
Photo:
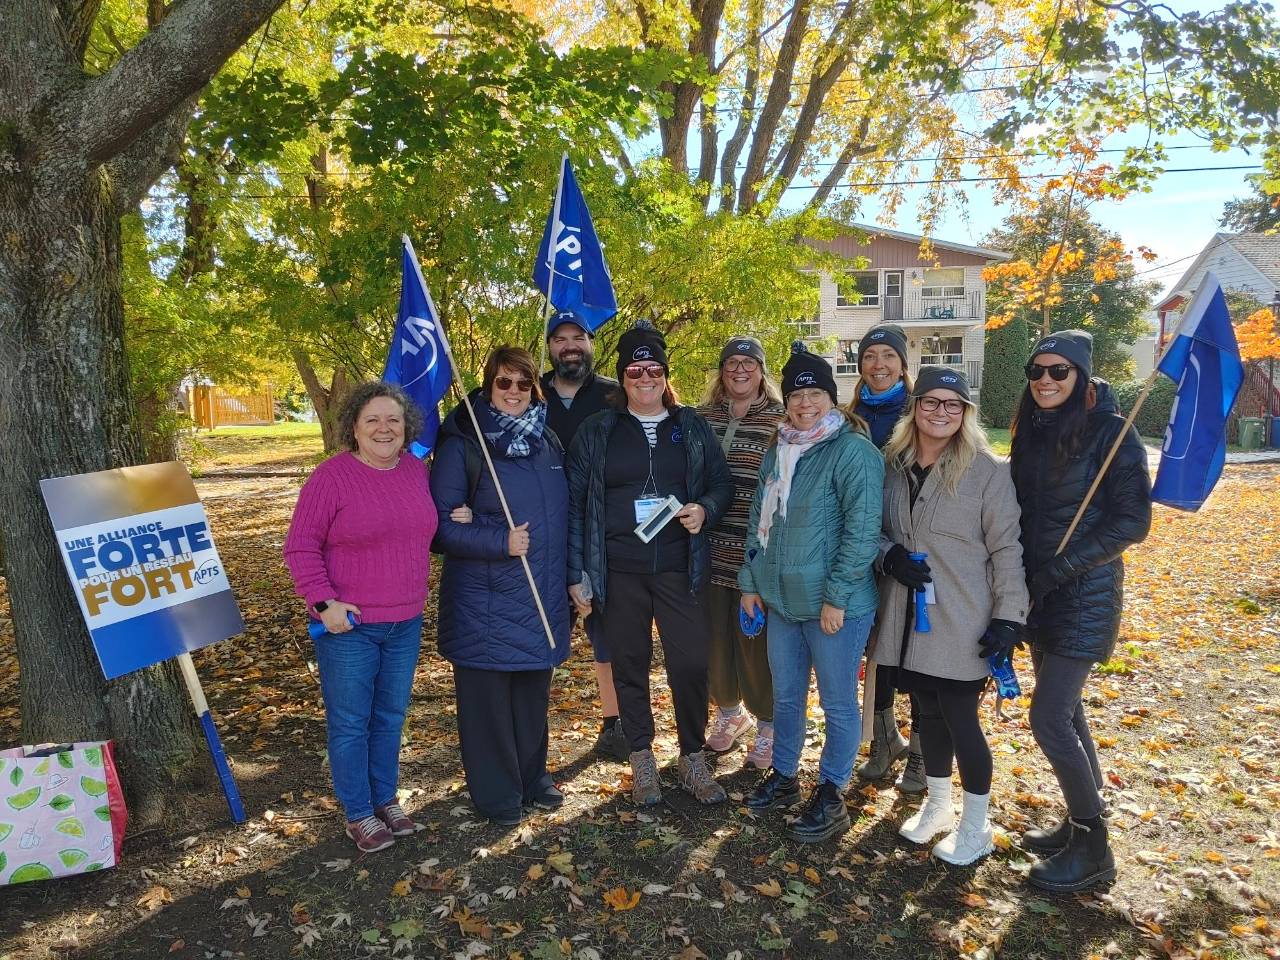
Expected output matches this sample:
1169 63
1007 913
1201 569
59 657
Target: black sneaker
825 816
550 798
613 743
774 791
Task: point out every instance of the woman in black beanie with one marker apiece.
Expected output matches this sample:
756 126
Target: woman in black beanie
1063 428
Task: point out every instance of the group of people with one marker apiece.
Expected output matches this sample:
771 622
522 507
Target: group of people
770 535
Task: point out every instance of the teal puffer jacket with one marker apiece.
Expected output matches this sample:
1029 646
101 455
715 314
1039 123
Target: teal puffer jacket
824 550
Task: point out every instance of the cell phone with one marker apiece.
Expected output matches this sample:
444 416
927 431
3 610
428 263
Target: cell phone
646 530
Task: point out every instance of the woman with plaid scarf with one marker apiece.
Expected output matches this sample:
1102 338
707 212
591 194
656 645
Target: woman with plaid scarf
489 626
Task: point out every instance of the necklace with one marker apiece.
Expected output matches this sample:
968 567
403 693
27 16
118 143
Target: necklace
361 457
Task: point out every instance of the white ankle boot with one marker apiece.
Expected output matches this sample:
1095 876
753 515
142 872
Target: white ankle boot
934 816
972 838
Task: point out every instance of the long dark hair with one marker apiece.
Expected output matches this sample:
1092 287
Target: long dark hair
1072 418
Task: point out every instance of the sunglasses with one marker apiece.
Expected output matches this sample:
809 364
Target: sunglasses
931 404
747 365
524 384
1059 371
635 372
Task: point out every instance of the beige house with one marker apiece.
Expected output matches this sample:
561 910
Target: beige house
941 302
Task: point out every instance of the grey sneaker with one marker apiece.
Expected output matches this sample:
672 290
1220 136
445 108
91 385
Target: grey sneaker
612 742
645 789
696 779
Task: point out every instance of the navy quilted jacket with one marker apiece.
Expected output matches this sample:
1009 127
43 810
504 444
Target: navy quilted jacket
487 617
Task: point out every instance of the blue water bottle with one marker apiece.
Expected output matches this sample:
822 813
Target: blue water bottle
317 630
1006 679
922 599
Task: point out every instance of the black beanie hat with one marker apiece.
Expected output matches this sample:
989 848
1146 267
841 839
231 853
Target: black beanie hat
888 334
644 341
935 377
1075 345
744 347
805 370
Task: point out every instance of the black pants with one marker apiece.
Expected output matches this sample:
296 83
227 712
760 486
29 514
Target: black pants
502 725
635 601
1061 729
886 687
950 731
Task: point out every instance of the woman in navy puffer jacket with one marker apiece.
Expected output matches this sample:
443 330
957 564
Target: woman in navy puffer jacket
489 626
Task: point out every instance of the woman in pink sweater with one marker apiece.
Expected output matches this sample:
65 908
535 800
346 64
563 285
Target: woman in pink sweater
358 550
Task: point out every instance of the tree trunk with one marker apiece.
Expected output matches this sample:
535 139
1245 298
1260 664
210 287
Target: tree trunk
64 409
326 400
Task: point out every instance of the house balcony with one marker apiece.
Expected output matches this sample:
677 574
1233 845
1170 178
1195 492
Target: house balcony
917 310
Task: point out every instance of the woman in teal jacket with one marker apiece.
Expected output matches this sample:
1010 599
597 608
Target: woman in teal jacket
812 538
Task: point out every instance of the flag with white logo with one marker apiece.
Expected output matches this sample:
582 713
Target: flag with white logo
1204 361
417 360
569 268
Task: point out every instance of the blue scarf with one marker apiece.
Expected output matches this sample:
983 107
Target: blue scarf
897 394
516 435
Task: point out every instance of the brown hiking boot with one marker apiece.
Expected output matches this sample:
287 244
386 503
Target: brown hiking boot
696 779
645 789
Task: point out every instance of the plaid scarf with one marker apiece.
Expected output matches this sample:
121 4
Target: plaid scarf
515 433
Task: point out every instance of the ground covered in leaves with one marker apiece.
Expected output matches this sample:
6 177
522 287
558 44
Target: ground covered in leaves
1186 715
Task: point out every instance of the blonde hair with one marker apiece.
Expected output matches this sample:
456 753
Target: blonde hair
857 386
902 451
715 394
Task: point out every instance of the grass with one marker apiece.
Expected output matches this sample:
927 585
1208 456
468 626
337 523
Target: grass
280 446
999 440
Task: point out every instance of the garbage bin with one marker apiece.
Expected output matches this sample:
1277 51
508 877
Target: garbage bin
1251 433
1275 432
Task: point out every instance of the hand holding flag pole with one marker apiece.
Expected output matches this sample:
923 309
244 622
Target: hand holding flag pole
411 259
1203 359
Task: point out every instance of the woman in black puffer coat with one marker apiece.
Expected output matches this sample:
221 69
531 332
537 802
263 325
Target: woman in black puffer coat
1064 426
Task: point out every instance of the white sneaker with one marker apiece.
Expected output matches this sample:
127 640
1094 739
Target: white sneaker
973 838
934 816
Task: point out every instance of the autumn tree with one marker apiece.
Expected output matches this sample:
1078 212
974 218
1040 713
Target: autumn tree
78 152
1258 212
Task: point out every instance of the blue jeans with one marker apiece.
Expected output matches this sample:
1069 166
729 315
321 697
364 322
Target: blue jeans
366 676
793 649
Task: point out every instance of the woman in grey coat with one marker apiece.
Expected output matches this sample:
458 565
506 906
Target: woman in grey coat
947 496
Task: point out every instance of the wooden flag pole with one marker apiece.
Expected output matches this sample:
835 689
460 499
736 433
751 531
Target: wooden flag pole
551 262
484 447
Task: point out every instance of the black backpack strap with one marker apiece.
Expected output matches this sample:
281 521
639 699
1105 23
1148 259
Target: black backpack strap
474 465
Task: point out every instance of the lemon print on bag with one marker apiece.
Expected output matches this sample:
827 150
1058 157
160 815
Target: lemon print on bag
94 756
20 801
93 787
30 871
71 857
71 826
5 830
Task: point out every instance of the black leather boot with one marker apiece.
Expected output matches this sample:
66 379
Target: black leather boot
1086 861
1048 839
824 816
774 791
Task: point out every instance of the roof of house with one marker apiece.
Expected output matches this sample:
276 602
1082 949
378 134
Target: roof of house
1262 251
916 238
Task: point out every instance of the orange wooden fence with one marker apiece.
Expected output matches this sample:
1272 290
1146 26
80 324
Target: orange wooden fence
219 407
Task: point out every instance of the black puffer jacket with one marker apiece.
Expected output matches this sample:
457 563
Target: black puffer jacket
707 479
1077 596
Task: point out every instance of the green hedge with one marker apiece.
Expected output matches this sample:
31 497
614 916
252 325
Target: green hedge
1154 415
1002 378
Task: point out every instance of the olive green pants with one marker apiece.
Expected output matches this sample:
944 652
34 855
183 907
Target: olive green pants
738 667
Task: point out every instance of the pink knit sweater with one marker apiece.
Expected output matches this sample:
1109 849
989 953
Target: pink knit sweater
363 536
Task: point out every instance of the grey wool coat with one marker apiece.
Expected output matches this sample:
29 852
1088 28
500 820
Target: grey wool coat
972 538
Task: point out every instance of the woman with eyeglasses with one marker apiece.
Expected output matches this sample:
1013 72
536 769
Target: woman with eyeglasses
1063 428
645 461
743 407
489 626
947 496
880 395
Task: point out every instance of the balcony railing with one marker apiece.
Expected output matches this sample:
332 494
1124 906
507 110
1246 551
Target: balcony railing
965 308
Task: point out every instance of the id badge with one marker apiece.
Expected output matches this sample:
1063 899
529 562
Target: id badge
646 506
657 518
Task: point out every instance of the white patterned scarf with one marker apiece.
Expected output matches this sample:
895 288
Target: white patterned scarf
792 445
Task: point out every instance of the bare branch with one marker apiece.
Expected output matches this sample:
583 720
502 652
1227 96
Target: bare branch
170 64
747 111
856 147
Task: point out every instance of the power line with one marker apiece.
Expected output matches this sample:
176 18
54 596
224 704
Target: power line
1024 176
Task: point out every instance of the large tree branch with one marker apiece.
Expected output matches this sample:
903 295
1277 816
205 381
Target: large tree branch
747 109
77 20
169 64
856 147
132 173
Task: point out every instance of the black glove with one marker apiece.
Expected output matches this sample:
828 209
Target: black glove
898 564
1000 639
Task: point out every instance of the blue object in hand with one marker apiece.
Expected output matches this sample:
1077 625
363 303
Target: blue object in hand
1006 679
753 624
317 630
922 607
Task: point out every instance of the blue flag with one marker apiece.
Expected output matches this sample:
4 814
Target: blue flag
570 269
1204 361
417 360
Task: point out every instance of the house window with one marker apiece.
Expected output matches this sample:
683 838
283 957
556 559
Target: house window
861 290
808 328
846 358
944 282
947 351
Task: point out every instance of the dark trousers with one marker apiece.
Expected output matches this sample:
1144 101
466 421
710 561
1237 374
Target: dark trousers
635 601
738 666
1062 731
950 731
502 726
886 687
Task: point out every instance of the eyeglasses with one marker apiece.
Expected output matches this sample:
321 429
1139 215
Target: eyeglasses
931 404
524 384
1059 371
746 365
655 372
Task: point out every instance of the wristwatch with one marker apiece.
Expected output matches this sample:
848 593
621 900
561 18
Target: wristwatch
321 607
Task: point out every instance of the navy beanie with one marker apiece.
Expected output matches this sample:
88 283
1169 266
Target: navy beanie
805 370
935 377
1075 345
888 334
644 341
744 347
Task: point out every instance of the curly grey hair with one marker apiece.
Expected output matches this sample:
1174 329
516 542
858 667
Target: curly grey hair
359 398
